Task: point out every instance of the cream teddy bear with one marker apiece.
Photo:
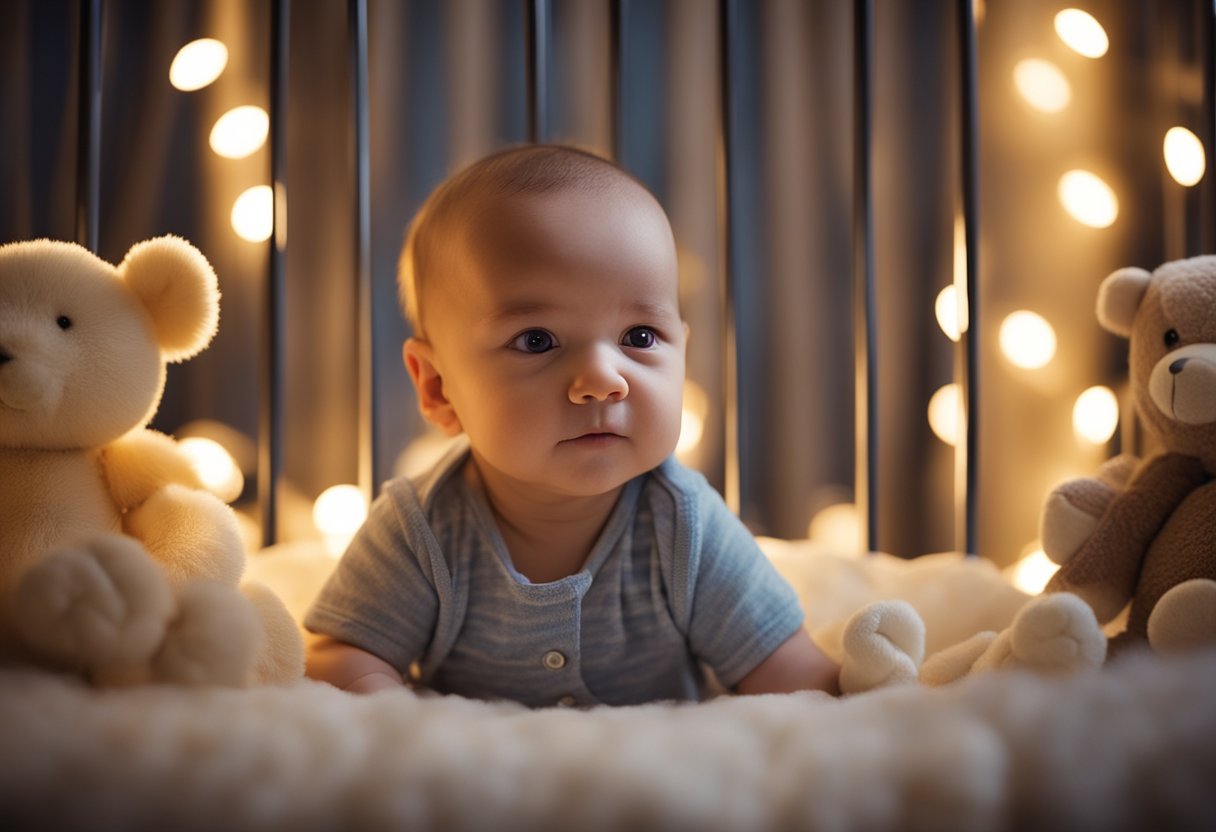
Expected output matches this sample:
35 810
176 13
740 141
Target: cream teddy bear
114 562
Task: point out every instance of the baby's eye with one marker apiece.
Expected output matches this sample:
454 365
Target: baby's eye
534 341
1171 338
640 337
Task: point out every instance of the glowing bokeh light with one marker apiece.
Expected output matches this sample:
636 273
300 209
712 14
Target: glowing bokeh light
253 214
1082 33
1184 156
1042 84
1027 339
338 513
240 132
197 64
945 309
1095 415
1032 571
692 418
944 413
215 466
1088 199
838 527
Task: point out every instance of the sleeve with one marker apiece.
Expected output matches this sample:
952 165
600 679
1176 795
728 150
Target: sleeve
380 597
742 609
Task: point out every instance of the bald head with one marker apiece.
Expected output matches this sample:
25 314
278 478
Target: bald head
436 234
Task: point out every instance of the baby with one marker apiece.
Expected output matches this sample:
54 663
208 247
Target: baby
558 554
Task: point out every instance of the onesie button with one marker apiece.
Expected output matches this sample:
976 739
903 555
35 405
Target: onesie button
567 701
554 660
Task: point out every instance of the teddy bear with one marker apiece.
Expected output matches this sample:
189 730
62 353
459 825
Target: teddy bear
1140 535
115 563
883 644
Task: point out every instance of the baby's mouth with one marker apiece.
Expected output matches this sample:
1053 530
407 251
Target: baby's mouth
596 436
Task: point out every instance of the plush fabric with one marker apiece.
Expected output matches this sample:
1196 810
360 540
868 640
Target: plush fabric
1125 747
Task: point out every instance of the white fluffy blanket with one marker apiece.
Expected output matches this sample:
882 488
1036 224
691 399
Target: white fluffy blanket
1130 747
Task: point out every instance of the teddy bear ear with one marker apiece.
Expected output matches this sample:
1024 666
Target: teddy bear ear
1119 297
179 289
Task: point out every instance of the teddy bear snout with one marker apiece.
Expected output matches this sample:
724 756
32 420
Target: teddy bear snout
1183 384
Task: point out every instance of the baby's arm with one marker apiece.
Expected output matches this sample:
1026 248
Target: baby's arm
798 664
349 668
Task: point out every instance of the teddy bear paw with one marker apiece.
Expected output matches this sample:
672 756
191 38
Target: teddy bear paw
883 645
1057 631
101 608
213 639
1184 618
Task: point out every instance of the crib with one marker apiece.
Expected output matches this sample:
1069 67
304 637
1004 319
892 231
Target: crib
829 167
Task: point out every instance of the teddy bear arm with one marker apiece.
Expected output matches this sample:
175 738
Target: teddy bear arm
142 462
1105 567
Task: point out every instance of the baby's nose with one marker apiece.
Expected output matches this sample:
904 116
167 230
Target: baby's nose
597 378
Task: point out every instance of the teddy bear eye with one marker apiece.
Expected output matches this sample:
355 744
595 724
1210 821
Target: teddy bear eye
64 322
1171 338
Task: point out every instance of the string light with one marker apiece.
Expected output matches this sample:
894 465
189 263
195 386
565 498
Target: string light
1082 33
253 214
197 64
1184 157
944 413
338 512
1088 199
240 132
1042 84
692 418
215 466
945 309
1032 571
1027 339
837 526
1095 415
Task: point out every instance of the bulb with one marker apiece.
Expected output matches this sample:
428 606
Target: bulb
1095 415
197 64
1082 33
944 413
838 527
1042 85
692 418
214 466
946 310
1027 340
253 214
1032 572
1184 157
240 132
1088 199
338 513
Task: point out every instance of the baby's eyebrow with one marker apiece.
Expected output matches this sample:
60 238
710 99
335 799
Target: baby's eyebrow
520 309
653 311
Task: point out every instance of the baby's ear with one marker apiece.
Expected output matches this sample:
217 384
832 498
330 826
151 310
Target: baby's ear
432 402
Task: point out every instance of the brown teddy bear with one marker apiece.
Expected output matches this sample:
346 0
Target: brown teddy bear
1144 530
114 562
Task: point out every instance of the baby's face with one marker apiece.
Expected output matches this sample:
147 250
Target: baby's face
559 340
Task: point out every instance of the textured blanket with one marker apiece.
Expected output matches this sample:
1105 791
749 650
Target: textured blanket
1132 746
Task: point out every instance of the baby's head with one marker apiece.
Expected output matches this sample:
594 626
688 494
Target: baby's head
541 284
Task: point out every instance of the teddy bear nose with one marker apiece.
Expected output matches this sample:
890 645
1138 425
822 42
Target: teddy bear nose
1176 366
4 357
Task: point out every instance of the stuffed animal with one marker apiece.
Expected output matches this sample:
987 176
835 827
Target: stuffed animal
114 562
883 644
1143 531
